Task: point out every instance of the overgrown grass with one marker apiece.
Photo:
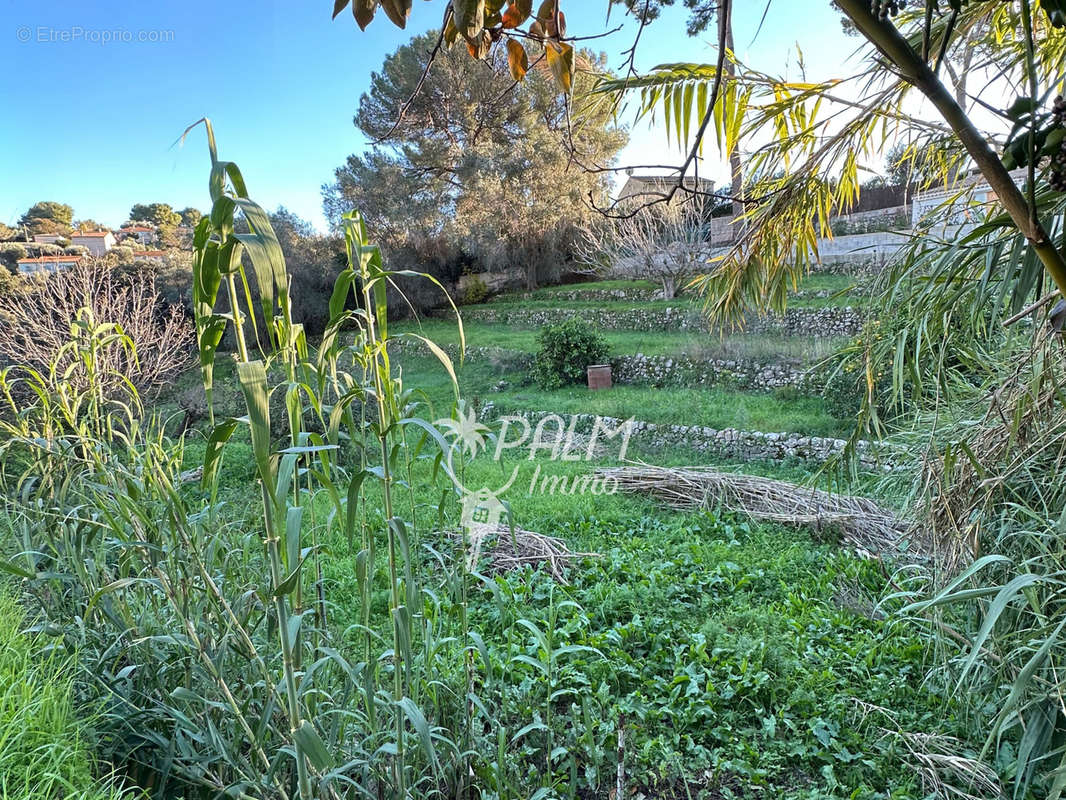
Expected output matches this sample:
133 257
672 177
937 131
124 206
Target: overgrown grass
714 407
44 746
760 347
549 294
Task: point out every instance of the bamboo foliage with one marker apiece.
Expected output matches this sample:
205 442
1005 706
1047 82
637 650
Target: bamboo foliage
960 365
807 145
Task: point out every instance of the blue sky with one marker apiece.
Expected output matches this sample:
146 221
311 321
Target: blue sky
93 123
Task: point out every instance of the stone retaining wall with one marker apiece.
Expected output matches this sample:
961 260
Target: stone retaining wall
728 443
590 295
832 321
685 371
615 295
640 369
878 220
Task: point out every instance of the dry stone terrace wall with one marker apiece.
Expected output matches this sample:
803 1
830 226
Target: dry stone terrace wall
615 295
812 322
686 371
727 443
640 369
590 295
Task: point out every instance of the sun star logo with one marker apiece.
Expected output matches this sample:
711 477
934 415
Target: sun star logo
552 437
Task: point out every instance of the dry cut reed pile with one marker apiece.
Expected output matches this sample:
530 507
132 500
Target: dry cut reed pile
505 549
862 523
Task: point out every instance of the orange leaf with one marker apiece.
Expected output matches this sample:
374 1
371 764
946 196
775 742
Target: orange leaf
517 59
517 13
479 45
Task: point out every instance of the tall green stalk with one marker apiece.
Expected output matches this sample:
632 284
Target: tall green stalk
219 250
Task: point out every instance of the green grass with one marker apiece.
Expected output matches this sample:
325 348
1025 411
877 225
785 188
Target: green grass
761 347
590 286
548 296
44 752
690 302
714 407
821 282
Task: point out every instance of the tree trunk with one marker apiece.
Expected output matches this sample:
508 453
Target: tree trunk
736 166
669 287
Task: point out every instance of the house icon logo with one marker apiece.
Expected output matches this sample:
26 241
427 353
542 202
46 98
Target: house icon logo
484 507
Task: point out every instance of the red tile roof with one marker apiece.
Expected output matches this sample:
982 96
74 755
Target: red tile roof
45 259
83 234
150 253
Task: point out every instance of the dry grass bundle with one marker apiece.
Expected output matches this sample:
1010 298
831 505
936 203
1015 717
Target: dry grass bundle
861 522
940 761
505 550
1002 460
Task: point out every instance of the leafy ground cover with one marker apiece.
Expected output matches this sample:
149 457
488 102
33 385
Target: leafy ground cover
742 660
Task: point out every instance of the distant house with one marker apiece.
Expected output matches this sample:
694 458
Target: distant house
647 185
47 238
142 233
98 243
48 263
150 255
964 202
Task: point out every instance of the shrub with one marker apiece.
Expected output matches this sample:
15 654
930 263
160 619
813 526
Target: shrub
475 292
566 350
10 253
122 253
36 323
43 249
844 390
172 275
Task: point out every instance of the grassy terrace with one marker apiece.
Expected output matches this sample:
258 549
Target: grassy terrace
716 408
709 345
832 284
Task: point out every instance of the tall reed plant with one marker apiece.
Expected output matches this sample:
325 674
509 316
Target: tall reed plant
204 627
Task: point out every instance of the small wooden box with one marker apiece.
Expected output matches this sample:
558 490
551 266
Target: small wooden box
599 376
